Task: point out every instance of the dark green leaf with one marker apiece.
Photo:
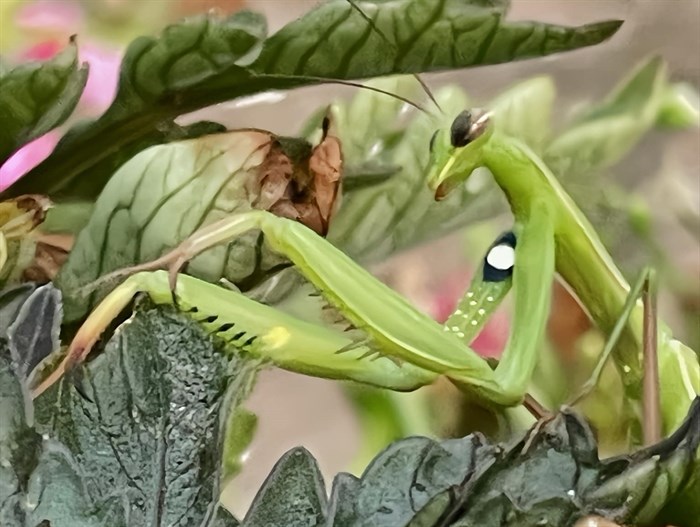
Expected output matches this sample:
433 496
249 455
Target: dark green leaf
293 494
11 300
37 97
341 507
552 476
149 440
361 39
39 478
34 332
204 61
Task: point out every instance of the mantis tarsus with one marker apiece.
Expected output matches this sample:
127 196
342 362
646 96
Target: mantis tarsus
391 344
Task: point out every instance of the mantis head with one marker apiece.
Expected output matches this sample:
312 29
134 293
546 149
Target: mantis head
457 152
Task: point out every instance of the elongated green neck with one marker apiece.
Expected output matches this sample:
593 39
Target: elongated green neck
581 259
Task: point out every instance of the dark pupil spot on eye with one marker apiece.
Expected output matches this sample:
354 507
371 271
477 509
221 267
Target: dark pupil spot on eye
432 141
491 273
459 131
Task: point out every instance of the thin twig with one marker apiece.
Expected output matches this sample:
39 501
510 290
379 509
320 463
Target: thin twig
533 406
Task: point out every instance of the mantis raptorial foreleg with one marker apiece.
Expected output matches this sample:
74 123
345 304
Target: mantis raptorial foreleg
257 330
413 349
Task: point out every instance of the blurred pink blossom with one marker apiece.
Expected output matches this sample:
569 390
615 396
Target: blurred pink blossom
493 337
103 78
51 23
26 158
49 15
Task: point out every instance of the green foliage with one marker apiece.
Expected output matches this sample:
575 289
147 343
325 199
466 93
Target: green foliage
602 134
36 98
142 446
152 448
147 431
552 476
206 60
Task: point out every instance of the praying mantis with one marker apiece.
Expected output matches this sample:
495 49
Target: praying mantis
381 339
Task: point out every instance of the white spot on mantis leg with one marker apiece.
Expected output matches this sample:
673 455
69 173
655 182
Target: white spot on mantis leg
626 368
489 298
460 334
470 294
474 322
458 312
501 257
455 328
472 302
481 312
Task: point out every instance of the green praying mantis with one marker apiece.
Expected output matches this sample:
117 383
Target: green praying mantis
381 339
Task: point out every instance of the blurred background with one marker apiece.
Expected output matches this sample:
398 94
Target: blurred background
662 174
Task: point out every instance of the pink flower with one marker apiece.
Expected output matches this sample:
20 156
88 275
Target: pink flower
50 23
493 337
103 78
42 51
26 158
49 16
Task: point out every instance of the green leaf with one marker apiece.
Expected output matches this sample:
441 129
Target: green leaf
37 97
11 300
293 494
525 111
341 506
34 332
550 476
204 61
361 39
605 132
149 438
240 430
159 198
39 478
198 62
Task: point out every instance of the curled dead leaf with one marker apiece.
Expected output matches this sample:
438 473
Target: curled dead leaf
21 215
300 182
51 252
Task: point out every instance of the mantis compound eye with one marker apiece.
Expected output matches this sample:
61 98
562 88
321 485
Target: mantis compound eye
500 259
465 128
459 131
